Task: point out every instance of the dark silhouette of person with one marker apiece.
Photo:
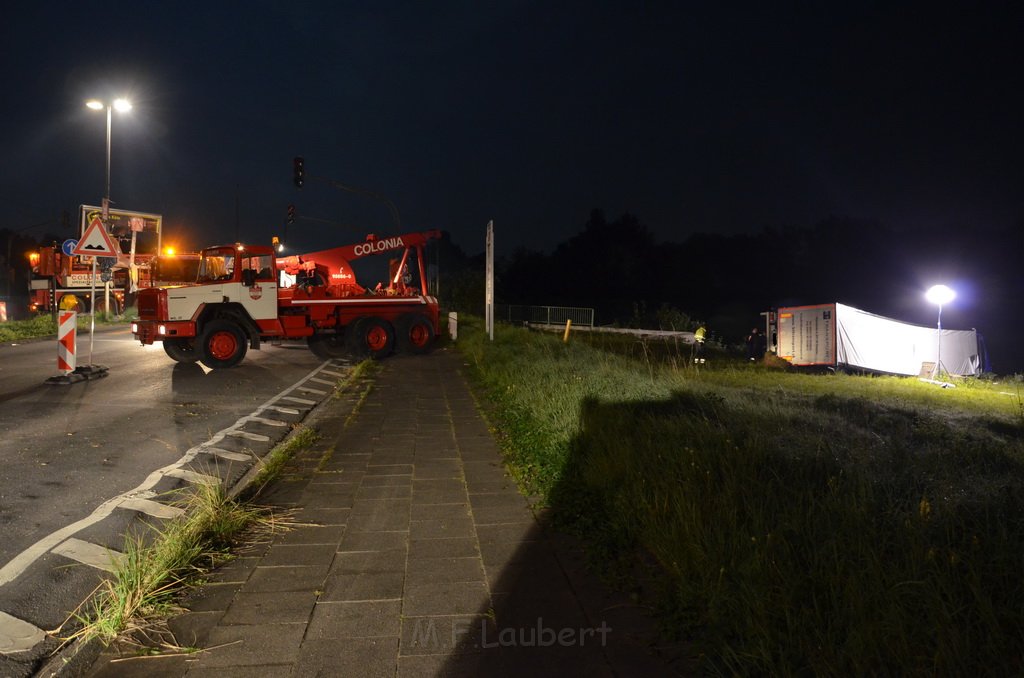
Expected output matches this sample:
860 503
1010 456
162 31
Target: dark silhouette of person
756 345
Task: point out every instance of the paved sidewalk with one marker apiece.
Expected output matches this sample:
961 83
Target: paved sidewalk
417 557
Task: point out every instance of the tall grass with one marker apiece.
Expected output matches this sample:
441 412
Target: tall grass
159 562
805 524
19 330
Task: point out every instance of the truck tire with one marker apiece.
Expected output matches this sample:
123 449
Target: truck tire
414 333
221 344
328 346
181 350
371 338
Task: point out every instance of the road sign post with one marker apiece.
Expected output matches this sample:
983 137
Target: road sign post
95 242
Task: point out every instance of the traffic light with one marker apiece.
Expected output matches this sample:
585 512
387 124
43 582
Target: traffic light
291 214
300 171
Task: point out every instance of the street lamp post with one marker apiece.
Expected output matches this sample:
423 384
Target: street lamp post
122 106
939 295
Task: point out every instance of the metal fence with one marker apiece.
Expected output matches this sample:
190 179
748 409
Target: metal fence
544 315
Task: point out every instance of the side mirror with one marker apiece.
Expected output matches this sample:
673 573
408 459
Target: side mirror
248 277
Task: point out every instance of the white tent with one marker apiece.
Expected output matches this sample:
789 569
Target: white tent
838 335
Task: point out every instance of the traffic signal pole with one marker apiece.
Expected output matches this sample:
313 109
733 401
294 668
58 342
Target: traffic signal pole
299 178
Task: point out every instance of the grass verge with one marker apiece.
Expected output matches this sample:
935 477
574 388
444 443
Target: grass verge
804 524
44 326
157 564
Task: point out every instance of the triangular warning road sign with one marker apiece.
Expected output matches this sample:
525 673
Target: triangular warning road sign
96 242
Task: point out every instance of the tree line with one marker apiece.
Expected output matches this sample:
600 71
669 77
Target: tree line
619 268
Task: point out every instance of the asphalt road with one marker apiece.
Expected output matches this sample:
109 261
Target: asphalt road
66 449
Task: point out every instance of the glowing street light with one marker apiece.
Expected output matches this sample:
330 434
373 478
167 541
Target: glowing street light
121 106
939 295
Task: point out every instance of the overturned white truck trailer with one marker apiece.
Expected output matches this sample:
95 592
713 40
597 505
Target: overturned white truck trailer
834 335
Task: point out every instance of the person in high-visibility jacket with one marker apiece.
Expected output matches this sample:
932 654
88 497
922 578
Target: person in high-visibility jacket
699 336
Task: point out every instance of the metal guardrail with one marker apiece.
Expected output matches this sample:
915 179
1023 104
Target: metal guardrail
544 315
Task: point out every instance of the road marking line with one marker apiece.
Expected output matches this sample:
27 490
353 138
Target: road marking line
90 554
301 401
228 454
283 410
152 508
339 375
268 422
17 635
311 390
323 381
19 563
250 436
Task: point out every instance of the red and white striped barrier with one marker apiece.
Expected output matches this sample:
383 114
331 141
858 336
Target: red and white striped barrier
67 322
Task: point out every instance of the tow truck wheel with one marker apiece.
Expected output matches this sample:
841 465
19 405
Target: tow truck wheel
371 338
414 333
328 346
221 345
180 350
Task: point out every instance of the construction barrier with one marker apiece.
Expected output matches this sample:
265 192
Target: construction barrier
67 323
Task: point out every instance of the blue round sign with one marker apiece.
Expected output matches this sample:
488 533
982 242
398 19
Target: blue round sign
68 245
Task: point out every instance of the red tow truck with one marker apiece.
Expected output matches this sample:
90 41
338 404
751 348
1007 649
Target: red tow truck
245 294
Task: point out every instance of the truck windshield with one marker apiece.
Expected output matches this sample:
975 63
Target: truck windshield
175 269
218 264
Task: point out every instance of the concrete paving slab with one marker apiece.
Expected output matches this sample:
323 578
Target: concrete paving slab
266 671
509 532
442 528
356 562
440 511
193 628
311 534
379 522
286 578
443 598
237 570
498 499
335 500
251 645
358 619
449 570
387 481
363 586
152 666
503 515
363 657
299 554
280 607
373 541
438 548
213 597
371 507
400 492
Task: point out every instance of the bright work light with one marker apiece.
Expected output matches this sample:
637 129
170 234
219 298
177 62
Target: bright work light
939 295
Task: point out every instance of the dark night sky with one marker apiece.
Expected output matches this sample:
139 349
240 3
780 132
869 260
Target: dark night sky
709 117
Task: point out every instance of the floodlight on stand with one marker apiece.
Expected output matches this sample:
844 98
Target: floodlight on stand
939 295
